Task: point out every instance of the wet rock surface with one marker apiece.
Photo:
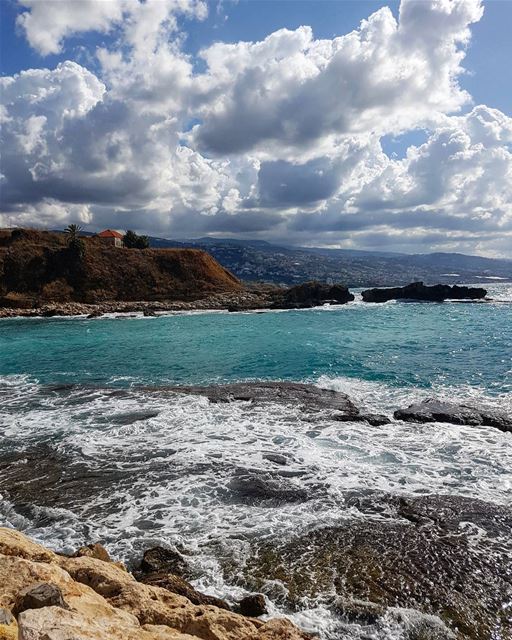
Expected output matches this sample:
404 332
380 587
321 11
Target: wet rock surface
312 294
307 397
373 419
41 475
256 487
253 605
444 556
161 559
419 291
433 410
176 584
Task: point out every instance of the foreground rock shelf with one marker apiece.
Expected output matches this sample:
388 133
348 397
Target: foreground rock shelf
415 559
407 561
45 596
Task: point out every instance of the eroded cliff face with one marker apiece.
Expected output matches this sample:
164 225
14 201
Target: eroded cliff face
38 267
45 596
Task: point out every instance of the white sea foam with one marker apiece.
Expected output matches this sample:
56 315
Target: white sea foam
176 458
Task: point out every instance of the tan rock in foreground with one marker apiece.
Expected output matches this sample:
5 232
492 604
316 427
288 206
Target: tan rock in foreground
107 603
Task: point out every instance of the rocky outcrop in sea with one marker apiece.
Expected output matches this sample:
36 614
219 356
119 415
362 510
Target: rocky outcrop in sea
309 398
420 291
312 294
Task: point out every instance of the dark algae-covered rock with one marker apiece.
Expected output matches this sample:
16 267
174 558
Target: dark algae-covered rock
411 553
312 294
161 559
166 568
432 410
420 291
253 605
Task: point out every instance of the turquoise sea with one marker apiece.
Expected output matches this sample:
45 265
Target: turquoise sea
105 453
400 344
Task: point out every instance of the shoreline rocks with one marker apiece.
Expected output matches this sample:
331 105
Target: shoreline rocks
253 605
214 302
419 291
254 298
104 601
168 569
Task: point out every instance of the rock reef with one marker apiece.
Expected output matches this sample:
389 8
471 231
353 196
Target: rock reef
211 302
432 410
312 294
306 397
420 291
84 598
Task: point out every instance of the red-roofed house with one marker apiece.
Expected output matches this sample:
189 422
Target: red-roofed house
109 236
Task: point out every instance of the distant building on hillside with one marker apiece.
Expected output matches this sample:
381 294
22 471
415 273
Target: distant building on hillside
109 236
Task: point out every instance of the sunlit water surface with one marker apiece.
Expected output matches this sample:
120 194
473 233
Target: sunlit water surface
168 474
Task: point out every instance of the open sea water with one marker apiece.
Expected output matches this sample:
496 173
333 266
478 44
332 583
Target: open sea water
150 467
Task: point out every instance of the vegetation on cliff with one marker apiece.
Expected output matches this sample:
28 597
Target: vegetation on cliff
40 266
133 241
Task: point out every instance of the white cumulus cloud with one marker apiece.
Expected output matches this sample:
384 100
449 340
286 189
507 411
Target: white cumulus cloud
279 138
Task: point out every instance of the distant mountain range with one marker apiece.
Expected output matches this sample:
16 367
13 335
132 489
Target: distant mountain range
260 261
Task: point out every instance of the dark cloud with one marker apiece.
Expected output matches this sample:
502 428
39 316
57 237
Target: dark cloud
282 183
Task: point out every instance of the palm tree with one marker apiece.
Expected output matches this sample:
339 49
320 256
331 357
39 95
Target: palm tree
75 243
73 231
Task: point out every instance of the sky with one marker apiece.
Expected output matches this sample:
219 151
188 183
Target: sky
355 124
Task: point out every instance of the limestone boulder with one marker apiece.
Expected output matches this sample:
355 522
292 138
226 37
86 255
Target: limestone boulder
54 623
104 601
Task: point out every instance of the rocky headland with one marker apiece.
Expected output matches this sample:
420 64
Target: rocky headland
39 268
41 275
